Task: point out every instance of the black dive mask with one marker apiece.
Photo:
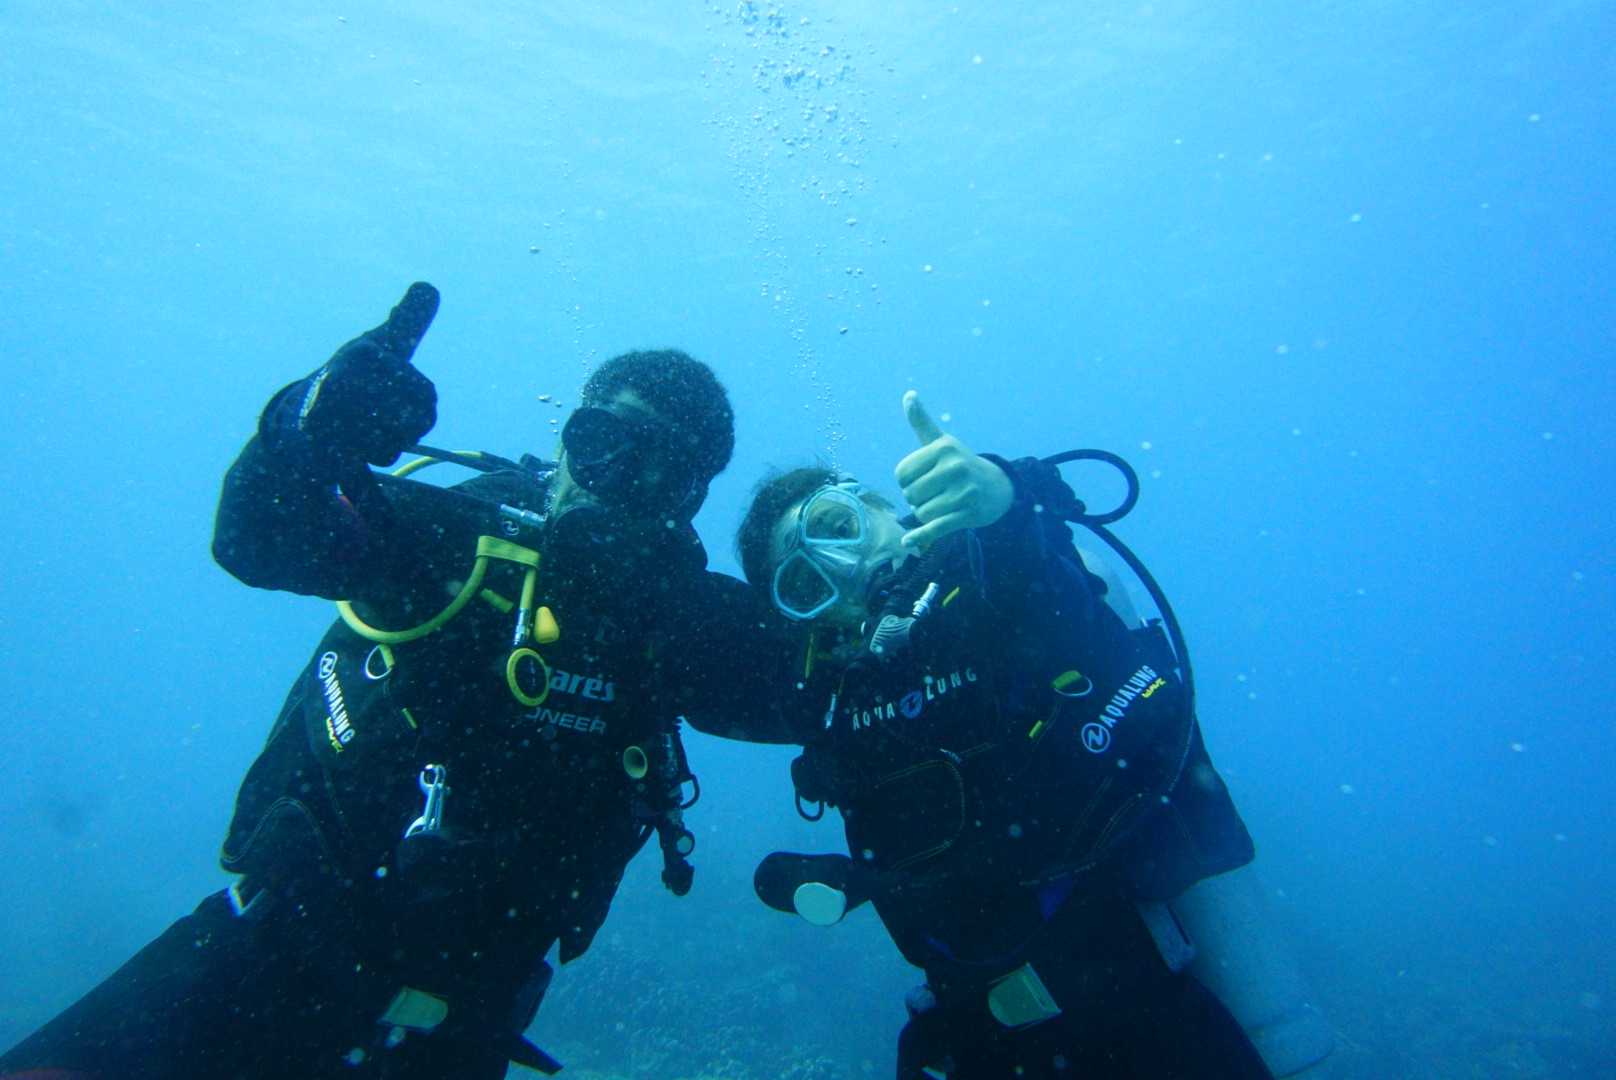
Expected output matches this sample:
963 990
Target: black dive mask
625 458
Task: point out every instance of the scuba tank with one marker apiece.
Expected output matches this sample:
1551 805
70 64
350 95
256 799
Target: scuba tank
1234 946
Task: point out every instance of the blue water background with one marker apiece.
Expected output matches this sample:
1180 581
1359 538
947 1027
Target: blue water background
1337 277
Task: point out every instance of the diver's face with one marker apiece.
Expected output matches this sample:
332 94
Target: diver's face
651 471
835 556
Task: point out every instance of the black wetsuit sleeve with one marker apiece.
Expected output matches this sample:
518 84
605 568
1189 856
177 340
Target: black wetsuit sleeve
285 523
281 524
734 666
1029 567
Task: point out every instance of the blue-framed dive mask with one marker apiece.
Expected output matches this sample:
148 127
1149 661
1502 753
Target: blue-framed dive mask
829 552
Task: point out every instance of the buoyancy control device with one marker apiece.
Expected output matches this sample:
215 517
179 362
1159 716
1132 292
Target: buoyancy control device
659 770
1152 684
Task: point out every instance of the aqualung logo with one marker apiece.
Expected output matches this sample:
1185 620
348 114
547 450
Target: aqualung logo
1144 683
336 711
913 703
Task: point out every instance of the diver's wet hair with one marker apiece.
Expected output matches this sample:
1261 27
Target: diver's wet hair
684 391
777 492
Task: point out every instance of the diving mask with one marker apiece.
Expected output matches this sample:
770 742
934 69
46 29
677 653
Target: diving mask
834 551
623 456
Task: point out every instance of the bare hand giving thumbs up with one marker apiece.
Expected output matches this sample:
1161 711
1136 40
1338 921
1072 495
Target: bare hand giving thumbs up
949 487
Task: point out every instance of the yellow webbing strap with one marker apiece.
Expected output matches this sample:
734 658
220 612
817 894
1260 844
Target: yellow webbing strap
488 547
495 548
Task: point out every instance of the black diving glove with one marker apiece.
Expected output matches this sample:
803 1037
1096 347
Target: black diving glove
368 402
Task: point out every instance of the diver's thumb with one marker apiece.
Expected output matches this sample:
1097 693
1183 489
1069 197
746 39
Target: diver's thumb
406 324
925 428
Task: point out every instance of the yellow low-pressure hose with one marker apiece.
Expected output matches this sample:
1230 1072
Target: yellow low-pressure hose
488 547
415 633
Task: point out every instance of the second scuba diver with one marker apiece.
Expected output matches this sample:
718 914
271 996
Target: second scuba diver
1020 775
476 749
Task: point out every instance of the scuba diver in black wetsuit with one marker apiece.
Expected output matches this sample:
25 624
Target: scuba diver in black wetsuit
478 747
1019 771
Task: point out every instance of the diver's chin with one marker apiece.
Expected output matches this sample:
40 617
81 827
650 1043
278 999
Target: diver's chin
575 526
599 531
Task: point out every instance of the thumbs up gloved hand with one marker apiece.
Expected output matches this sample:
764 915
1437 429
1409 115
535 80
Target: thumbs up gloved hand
368 402
949 487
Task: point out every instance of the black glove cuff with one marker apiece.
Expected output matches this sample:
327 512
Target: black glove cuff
316 461
1037 483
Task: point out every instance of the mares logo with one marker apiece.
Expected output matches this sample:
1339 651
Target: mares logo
595 689
589 725
1097 734
336 712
